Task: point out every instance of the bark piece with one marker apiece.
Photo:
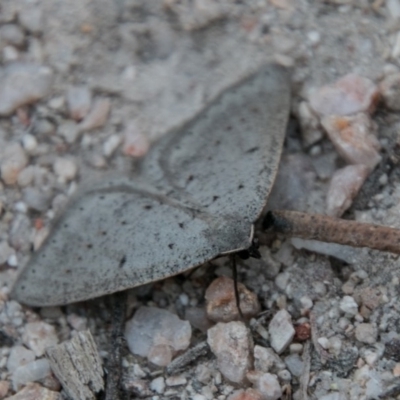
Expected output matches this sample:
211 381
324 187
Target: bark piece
77 365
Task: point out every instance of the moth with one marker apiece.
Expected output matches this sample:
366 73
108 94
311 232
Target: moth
197 195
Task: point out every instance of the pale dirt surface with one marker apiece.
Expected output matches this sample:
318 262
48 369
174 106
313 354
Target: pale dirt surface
159 63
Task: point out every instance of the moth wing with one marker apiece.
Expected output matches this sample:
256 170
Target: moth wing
120 237
226 159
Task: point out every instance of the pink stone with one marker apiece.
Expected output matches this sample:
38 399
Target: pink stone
221 301
349 95
135 144
232 344
97 116
38 336
343 188
353 138
79 101
33 391
13 161
248 394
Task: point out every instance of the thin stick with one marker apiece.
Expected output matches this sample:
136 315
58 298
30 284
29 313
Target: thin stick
329 229
113 391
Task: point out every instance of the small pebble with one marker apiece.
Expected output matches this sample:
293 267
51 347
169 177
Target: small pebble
38 336
79 101
10 54
4 387
284 375
311 131
35 392
268 385
78 323
23 84
111 144
30 372
19 355
158 385
135 144
12 34
13 161
97 116
232 344
203 373
354 139
266 360
248 394
65 168
296 348
349 306
281 331
69 131
221 301
197 316
176 381
29 143
349 95
324 342
5 252
344 187
294 364
393 6
390 91
366 333
158 334
57 103
35 199
31 18
396 370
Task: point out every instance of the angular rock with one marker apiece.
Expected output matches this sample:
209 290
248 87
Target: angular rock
79 101
294 364
158 334
366 333
348 95
22 84
221 301
353 138
38 336
65 168
390 91
268 385
13 161
135 144
310 128
30 372
97 116
232 344
266 360
35 392
19 355
281 331
344 187
348 305
248 394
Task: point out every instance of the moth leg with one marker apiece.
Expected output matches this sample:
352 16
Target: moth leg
235 285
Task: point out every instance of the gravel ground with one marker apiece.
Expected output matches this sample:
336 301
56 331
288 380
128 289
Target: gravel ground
87 87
